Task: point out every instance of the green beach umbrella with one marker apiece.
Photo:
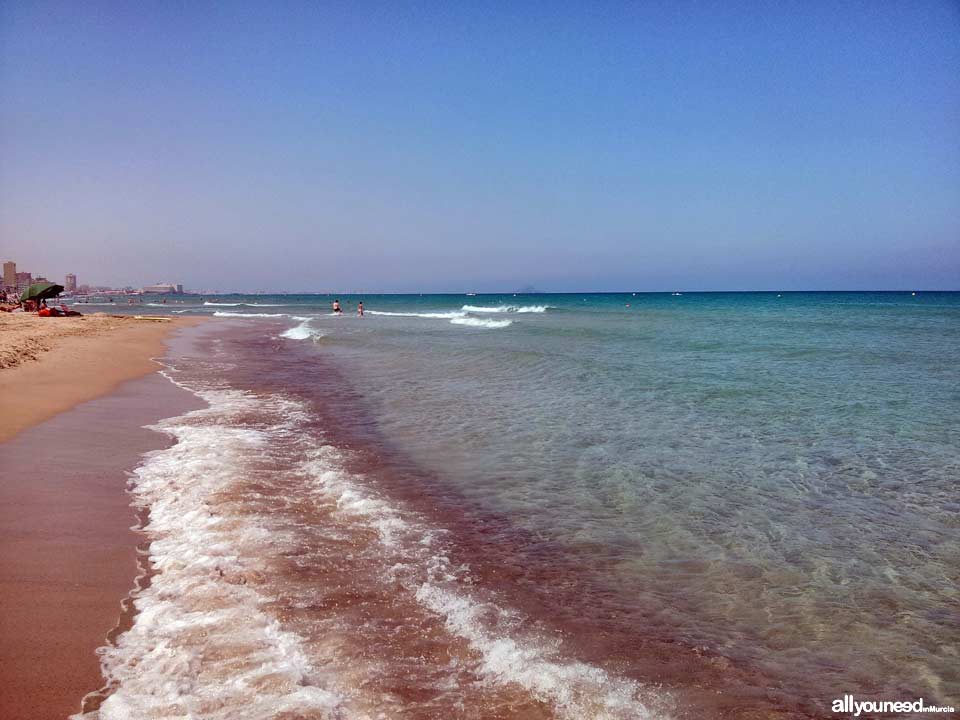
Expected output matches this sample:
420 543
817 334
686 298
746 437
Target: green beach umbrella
41 291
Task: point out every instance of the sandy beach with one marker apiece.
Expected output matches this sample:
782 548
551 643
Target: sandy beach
77 393
48 365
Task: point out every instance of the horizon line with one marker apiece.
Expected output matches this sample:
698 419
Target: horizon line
546 292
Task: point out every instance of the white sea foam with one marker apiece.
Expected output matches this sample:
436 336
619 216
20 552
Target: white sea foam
303 331
506 309
434 315
577 690
201 644
204 644
456 317
481 322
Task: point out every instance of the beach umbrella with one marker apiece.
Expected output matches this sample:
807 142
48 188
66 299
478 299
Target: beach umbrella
41 291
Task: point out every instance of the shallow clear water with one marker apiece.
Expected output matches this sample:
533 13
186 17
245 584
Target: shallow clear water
748 494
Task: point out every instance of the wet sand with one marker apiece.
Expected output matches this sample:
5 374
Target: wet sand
48 365
67 553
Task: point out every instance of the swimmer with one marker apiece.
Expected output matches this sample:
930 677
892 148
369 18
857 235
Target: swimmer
360 308
336 308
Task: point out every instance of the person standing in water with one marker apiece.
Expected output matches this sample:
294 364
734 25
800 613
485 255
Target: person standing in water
336 308
360 308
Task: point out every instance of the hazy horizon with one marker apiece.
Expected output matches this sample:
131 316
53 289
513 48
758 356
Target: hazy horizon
609 147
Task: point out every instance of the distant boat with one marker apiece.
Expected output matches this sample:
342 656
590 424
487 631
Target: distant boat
471 294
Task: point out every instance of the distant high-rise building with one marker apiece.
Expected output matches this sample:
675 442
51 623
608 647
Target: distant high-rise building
10 274
70 283
23 281
162 289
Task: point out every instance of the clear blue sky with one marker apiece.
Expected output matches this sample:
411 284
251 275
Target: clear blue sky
486 146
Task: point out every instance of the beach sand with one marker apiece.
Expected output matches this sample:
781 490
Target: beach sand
67 553
48 365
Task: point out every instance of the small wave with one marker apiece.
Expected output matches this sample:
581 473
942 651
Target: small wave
433 315
205 641
576 689
481 322
506 309
456 317
303 331
198 612
507 654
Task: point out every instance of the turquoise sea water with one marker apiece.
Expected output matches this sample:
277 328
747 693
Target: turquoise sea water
752 493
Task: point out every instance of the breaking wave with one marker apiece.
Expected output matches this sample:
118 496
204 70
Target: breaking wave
506 309
456 317
481 322
434 315
212 636
303 331
202 644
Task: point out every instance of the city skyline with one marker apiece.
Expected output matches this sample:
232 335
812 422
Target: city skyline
16 278
153 287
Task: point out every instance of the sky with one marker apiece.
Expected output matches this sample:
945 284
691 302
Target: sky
426 147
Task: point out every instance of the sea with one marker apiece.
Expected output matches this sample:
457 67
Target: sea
578 506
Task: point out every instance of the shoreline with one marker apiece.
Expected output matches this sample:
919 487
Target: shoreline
546 581
68 361
70 555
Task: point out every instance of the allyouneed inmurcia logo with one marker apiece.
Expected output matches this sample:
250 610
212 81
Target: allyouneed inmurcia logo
848 706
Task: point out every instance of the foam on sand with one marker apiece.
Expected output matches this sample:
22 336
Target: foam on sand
201 644
207 641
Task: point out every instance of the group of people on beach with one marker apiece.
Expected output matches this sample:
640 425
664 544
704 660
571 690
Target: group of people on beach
40 308
337 310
